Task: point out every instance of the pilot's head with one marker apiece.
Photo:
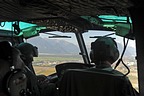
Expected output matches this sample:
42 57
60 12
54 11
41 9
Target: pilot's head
104 49
28 51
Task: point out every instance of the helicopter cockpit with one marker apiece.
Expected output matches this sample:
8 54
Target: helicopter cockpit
71 26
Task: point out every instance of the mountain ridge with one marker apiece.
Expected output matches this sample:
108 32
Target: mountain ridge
53 46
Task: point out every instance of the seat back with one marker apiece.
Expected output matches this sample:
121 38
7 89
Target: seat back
89 83
15 83
13 80
61 68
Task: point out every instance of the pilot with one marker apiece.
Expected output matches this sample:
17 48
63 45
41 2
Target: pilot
28 53
104 53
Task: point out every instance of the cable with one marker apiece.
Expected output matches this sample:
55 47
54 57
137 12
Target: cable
121 58
125 45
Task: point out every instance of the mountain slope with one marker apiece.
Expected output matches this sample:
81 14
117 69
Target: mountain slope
53 46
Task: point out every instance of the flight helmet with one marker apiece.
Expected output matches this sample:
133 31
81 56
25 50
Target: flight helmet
104 49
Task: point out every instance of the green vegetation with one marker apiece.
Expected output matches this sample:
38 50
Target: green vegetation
45 64
57 58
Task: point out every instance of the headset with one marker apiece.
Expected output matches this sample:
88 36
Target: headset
104 48
35 51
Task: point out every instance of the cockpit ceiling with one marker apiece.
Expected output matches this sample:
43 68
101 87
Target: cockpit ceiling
25 10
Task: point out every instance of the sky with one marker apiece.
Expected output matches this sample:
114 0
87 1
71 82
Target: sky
89 34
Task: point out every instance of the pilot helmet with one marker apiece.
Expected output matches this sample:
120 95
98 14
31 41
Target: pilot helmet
28 51
104 49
